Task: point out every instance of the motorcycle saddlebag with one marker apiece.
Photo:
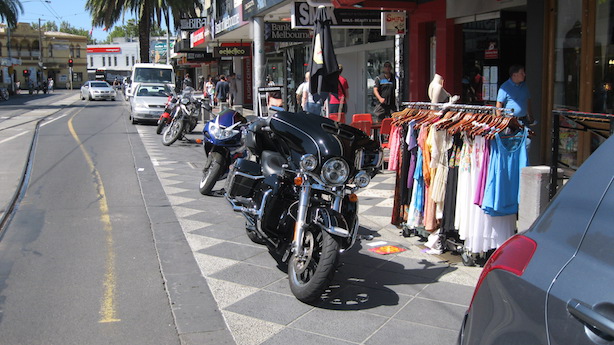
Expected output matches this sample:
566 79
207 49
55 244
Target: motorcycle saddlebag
243 178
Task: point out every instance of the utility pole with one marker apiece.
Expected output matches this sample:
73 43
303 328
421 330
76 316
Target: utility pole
8 45
40 51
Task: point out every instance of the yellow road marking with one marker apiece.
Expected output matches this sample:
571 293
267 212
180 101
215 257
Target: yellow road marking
107 307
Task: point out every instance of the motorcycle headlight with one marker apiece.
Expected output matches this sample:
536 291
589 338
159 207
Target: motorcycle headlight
335 171
185 101
220 133
362 179
309 162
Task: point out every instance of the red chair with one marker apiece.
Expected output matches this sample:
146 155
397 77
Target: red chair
339 117
385 131
362 117
364 126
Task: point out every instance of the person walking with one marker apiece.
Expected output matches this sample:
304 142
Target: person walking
50 85
310 104
514 94
385 85
337 102
209 90
187 81
232 83
300 105
222 89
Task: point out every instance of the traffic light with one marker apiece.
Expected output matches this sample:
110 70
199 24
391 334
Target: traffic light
26 72
69 62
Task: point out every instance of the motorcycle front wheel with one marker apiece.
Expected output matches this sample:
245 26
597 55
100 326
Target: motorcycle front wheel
310 275
211 172
161 125
172 132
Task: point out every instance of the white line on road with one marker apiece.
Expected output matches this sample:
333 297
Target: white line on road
50 121
13 137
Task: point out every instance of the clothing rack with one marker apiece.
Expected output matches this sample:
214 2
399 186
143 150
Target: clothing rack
439 106
577 117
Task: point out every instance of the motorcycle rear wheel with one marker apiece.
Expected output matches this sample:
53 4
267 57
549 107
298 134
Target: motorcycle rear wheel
172 132
310 277
211 172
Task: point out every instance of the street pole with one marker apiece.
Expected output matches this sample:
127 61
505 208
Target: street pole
40 50
8 45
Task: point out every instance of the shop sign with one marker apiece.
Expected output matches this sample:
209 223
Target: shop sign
199 57
393 23
283 32
304 15
247 80
255 7
197 37
231 51
192 24
91 50
229 21
492 52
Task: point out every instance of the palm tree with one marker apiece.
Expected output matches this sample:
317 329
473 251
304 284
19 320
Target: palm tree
106 13
9 11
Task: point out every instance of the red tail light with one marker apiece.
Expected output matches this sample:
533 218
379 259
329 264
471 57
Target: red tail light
513 256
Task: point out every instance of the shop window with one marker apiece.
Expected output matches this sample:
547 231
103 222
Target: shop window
78 76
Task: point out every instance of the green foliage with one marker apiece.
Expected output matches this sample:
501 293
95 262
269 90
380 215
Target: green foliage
9 11
131 29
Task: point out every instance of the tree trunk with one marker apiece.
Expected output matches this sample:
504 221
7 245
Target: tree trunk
144 28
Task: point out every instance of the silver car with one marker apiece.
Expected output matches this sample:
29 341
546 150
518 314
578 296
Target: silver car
95 89
148 102
554 283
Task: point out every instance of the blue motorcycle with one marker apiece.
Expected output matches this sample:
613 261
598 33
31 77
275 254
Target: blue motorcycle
223 144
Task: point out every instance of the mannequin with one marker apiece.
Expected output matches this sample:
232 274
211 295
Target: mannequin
436 92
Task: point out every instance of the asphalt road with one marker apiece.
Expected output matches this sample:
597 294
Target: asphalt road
78 263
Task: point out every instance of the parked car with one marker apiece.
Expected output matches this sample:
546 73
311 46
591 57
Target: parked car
95 89
148 102
553 283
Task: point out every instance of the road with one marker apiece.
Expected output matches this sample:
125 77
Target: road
78 262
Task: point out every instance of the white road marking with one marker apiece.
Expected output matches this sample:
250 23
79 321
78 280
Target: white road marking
13 137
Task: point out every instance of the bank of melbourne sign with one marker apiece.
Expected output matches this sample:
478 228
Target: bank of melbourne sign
304 15
283 32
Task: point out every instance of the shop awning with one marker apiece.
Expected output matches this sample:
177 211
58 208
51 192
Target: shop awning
403 5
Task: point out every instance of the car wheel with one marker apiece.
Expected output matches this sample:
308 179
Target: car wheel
90 97
82 97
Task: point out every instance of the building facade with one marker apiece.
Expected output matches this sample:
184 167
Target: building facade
43 55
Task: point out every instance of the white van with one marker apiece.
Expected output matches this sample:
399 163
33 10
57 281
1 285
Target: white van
150 73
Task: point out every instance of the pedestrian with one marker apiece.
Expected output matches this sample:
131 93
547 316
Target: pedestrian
300 105
337 102
310 104
50 84
201 83
436 92
187 81
385 85
210 90
17 87
115 84
232 83
514 94
222 89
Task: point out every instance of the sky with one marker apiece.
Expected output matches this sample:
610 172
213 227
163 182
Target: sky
72 11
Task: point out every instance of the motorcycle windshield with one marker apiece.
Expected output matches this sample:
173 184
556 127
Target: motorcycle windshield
307 133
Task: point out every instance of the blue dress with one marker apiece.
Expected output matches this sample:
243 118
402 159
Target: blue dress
508 155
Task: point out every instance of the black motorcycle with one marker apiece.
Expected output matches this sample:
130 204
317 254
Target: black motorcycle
184 118
298 196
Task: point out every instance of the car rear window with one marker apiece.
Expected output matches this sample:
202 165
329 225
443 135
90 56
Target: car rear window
153 91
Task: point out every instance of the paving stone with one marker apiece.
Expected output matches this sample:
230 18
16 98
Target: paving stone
407 333
428 312
233 251
249 275
271 307
355 326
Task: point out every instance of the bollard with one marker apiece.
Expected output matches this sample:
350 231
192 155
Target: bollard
534 183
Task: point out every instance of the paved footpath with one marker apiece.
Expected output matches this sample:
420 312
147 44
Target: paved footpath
405 298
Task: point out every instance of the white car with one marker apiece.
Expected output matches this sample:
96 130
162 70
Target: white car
148 102
95 89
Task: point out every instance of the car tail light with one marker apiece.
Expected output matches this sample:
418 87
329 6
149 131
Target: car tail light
513 256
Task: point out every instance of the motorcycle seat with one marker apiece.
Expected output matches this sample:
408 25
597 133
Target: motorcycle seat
272 163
